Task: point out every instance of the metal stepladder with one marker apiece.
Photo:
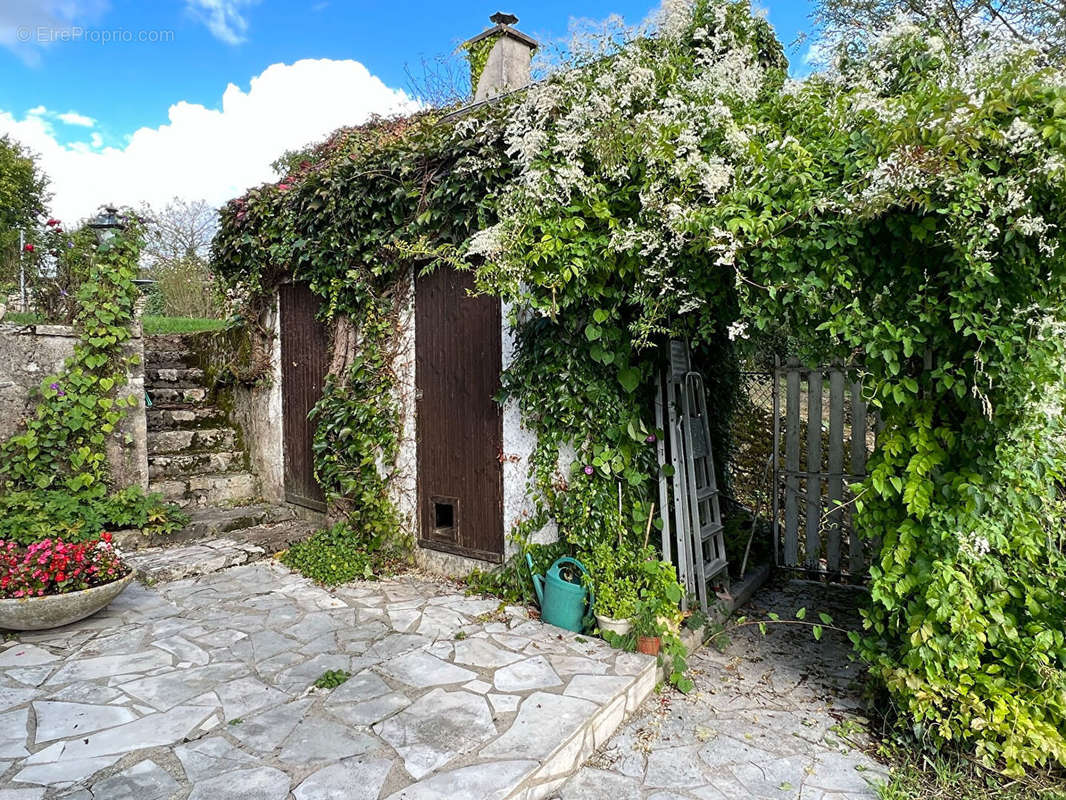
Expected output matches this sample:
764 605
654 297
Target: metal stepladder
692 518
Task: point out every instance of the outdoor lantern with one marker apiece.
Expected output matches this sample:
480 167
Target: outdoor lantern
106 224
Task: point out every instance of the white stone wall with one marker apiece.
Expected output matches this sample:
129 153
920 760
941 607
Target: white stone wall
518 444
404 487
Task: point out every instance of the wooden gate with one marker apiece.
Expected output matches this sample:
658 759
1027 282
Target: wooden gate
814 464
304 364
458 363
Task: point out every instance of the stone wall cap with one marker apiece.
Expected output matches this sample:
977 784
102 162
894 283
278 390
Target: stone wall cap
502 28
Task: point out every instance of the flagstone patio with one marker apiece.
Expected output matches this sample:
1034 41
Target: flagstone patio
203 689
774 717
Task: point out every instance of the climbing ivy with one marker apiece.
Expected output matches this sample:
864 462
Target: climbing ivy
366 207
477 56
903 213
54 476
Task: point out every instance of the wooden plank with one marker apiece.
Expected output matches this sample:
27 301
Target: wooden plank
775 513
835 489
460 431
812 547
304 364
856 558
792 463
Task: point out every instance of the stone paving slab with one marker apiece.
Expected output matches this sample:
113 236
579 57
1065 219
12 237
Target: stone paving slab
202 689
772 718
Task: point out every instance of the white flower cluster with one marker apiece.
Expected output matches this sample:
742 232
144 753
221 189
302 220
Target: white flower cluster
632 114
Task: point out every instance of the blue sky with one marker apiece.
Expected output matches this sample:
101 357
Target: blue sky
119 88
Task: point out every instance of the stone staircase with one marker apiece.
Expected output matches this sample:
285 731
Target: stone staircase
196 461
194 455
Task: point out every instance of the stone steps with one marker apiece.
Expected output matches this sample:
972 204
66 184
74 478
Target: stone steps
193 454
191 440
179 465
202 557
208 523
208 489
173 417
177 396
170 359
174 378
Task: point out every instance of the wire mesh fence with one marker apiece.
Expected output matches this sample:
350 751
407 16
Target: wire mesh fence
751 460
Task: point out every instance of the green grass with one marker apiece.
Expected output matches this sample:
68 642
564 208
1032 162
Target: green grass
16 318
161 325
152 325
948 777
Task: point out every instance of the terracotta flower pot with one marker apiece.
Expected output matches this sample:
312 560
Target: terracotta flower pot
56 610
648 645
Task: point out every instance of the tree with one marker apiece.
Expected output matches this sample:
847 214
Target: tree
965 23
23 198
176 252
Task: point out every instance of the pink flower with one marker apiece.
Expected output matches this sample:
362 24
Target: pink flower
589 470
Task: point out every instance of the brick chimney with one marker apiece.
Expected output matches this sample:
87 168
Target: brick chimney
499 58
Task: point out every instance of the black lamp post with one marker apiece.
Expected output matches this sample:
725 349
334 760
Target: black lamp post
106 224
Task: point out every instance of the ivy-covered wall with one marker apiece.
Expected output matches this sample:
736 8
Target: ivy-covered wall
28 353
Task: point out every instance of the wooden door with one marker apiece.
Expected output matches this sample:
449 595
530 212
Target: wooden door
303 369
458 362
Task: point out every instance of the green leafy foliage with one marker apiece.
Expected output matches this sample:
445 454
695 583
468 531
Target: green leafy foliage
54 477
337 554
477 56
30 515
23 197
332 678
353 217
903 215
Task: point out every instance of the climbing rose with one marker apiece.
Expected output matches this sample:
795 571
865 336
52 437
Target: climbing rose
28 248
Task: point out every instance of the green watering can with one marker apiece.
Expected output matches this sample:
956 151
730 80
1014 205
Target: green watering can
561 594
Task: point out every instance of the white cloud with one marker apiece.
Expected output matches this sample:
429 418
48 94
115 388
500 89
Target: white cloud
208 153
28 25
819 54
224 18
74 118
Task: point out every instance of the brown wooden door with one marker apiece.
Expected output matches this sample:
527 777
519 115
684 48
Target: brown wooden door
303 368
458 362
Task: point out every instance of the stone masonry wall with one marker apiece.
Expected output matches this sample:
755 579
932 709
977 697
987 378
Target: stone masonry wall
31 353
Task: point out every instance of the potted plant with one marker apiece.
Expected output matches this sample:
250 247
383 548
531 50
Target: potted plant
647 626
52 582
617 592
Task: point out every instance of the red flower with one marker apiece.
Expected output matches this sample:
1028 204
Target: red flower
28 248
284 186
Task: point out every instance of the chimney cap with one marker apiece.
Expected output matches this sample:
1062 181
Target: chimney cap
503 18
502 27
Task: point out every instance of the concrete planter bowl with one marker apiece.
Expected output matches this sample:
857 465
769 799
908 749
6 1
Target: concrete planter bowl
57 610
619 627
